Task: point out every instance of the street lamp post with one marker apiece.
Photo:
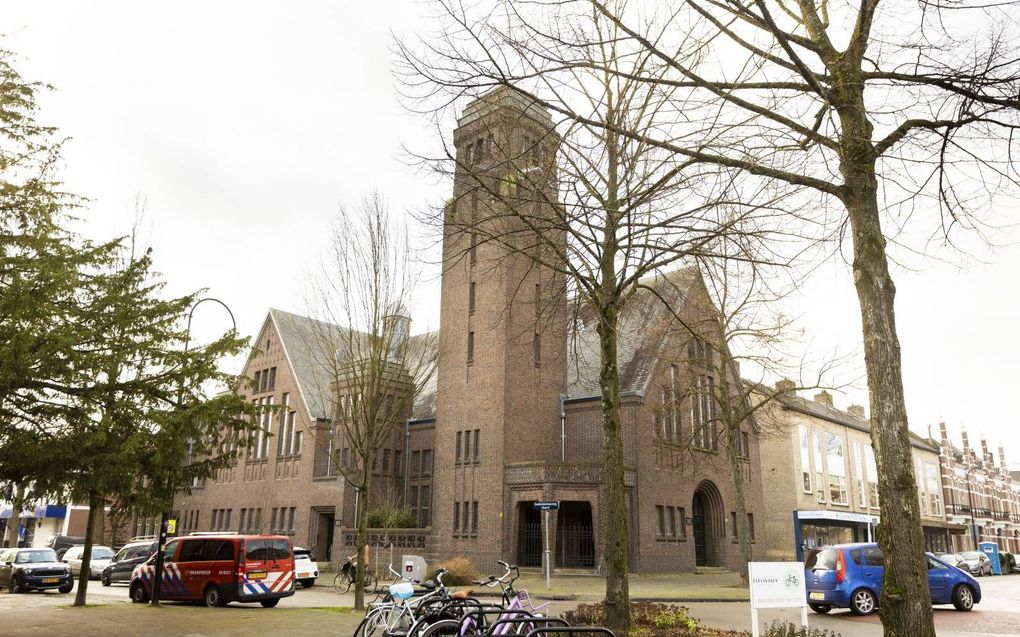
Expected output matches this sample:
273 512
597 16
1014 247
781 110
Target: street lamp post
164 518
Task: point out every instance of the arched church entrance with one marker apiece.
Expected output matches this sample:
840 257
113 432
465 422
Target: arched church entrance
707 520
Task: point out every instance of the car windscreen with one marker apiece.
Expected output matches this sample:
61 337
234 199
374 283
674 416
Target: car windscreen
971 555
37 555
101 553
820 559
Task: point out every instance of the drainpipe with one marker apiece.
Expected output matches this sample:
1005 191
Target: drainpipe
563 429
407 455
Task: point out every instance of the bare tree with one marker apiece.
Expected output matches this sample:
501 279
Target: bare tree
869 113
361 344
602 211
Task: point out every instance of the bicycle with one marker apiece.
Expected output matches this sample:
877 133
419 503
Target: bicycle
343 580
399 614
518 614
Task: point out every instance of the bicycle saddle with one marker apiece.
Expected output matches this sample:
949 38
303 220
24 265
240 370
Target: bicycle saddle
461 594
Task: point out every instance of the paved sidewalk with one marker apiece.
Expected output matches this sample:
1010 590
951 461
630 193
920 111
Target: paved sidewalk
679 587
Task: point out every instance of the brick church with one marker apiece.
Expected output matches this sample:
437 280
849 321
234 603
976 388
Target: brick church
510 417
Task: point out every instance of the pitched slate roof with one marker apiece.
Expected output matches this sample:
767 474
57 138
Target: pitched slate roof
814 408
645 322
299 336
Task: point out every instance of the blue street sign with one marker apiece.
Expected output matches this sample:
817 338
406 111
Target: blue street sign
546 506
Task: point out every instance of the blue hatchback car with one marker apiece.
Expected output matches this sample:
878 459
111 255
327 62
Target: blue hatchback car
850 576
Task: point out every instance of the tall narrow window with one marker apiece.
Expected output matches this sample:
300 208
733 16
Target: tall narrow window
398 462
537 346
272 378
386 462
425 515
255 385
660 515
264 384
538 299
471 348
456 517
473 254
477 445
862 492
805 459
457 447
283 437
426 462
467 445
750 525
471 297
819 464
837 469
474 516
415 464
412 503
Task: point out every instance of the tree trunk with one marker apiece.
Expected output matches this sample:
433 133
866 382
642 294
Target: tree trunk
737 480
86 556
11 533
362 536
905 605
615 554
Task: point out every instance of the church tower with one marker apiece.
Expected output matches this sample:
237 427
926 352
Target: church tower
502 343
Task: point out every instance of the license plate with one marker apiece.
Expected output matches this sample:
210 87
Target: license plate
50 580
256 575
304 575
817 596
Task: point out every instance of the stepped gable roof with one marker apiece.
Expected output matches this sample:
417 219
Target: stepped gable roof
644 324
832 414
299 335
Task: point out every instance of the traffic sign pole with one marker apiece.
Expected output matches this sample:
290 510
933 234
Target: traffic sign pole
545 507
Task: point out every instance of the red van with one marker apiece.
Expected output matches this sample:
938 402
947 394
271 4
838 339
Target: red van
219 569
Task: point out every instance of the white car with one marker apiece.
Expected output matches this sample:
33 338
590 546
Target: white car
305 570
101 556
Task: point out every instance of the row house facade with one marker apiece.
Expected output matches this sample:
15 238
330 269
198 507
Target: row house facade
980 493
821 483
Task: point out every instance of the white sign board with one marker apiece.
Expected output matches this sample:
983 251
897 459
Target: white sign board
776 585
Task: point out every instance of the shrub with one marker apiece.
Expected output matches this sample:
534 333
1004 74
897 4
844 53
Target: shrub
460 571
391 518
674 619
789 629
647 616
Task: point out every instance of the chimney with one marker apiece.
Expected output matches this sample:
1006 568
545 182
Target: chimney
1002 458
824 397
786 385
857 411
987 457
942 431
966 442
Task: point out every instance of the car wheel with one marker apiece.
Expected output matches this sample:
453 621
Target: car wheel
104 580
138 594
66 588
862 602
12 586
270 603
306 583
821 609
212 597
963 597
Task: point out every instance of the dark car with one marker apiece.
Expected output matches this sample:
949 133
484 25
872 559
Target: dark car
127 558
851 575
60 544
34 569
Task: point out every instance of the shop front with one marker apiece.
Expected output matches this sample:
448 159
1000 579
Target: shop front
821 528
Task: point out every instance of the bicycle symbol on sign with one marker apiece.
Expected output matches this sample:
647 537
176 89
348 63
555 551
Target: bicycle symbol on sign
792 580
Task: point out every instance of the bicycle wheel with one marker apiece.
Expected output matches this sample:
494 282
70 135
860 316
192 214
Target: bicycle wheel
372 624
341 583
371 582
441 628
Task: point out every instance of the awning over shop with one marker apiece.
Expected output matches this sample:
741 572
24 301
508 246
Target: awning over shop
40 511
837 516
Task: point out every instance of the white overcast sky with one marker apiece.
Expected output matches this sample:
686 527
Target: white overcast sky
245 124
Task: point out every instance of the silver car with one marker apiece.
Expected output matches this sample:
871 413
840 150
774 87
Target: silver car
101 556
975 562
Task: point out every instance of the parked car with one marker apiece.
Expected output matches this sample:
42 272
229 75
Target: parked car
976 563
60 543
850 576
127 558
34 569
221 569
100 558
305 570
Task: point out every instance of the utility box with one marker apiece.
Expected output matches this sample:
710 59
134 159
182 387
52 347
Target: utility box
414 567
991 549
